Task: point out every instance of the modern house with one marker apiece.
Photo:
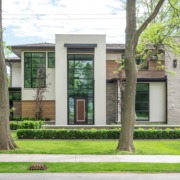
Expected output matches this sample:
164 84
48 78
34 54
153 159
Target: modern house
84 88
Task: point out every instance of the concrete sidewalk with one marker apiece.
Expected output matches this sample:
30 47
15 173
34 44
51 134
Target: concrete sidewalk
88 158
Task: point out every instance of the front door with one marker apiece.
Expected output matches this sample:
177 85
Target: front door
80 111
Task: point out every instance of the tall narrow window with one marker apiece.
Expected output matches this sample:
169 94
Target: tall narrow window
142 102
51 59
81 87
33 61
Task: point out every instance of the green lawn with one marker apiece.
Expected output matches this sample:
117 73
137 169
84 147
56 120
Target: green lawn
92 167
166 147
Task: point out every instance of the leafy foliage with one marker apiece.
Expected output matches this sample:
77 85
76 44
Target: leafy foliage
14 125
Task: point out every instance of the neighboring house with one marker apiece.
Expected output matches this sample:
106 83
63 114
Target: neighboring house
84 86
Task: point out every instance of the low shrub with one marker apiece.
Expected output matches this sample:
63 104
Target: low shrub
95 134
14 125
32 119
18 118
15 118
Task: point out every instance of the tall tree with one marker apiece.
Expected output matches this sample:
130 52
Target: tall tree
6 141
132 37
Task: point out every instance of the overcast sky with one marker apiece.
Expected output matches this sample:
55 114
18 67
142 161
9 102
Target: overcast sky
34 21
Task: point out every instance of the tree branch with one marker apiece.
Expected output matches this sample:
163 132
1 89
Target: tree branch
148 20
173 6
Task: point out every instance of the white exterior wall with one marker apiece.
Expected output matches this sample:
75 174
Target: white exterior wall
16 74
99 76
28 93
157 101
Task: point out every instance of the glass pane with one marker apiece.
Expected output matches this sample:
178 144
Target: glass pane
27 83
51 54
39 54
71 65
17 96
142 87
38 62
71 110
90 108
142 116
27 62
51 62
142 106
27 54
142 97
27 73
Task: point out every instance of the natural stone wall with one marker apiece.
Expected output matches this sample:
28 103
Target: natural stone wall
173 89
111 103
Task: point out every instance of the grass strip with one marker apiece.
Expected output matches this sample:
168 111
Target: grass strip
143 147
22 167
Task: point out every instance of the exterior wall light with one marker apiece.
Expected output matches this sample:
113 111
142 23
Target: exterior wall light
174 63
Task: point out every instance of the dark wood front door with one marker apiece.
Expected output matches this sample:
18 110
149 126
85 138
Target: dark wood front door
80 111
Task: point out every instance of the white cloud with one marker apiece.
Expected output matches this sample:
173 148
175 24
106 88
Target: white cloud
44 18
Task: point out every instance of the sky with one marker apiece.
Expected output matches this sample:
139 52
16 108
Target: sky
35 21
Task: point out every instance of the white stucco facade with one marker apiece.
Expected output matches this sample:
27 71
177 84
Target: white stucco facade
157 102
16 74
99 76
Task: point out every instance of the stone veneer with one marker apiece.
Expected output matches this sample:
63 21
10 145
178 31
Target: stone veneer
173 89
111 103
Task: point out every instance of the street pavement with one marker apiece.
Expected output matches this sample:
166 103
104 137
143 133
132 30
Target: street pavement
88 158
89 176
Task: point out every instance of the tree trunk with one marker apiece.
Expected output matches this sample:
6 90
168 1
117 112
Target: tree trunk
128 114
6 141
132 35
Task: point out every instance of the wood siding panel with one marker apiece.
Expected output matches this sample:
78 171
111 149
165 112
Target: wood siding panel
111 66
151 72
28 109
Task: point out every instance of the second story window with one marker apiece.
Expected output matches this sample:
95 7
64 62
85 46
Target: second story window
51 59
33 61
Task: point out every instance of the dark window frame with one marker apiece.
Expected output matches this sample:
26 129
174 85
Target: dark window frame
142 102
31 69
77 96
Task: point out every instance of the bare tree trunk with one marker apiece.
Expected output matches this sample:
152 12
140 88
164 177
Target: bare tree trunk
132 35
128 114
6 141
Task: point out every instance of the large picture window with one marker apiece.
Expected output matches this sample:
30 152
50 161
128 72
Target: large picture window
142 102
80 85
33 61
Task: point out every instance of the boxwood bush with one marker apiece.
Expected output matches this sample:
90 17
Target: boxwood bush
18 118
95 134
14 125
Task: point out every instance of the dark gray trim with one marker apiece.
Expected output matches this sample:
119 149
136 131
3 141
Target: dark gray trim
152 79
14 60
163 79
14 88
33 47
76 45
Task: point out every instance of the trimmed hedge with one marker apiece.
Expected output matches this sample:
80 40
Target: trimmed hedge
96 134
18 118
14 125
